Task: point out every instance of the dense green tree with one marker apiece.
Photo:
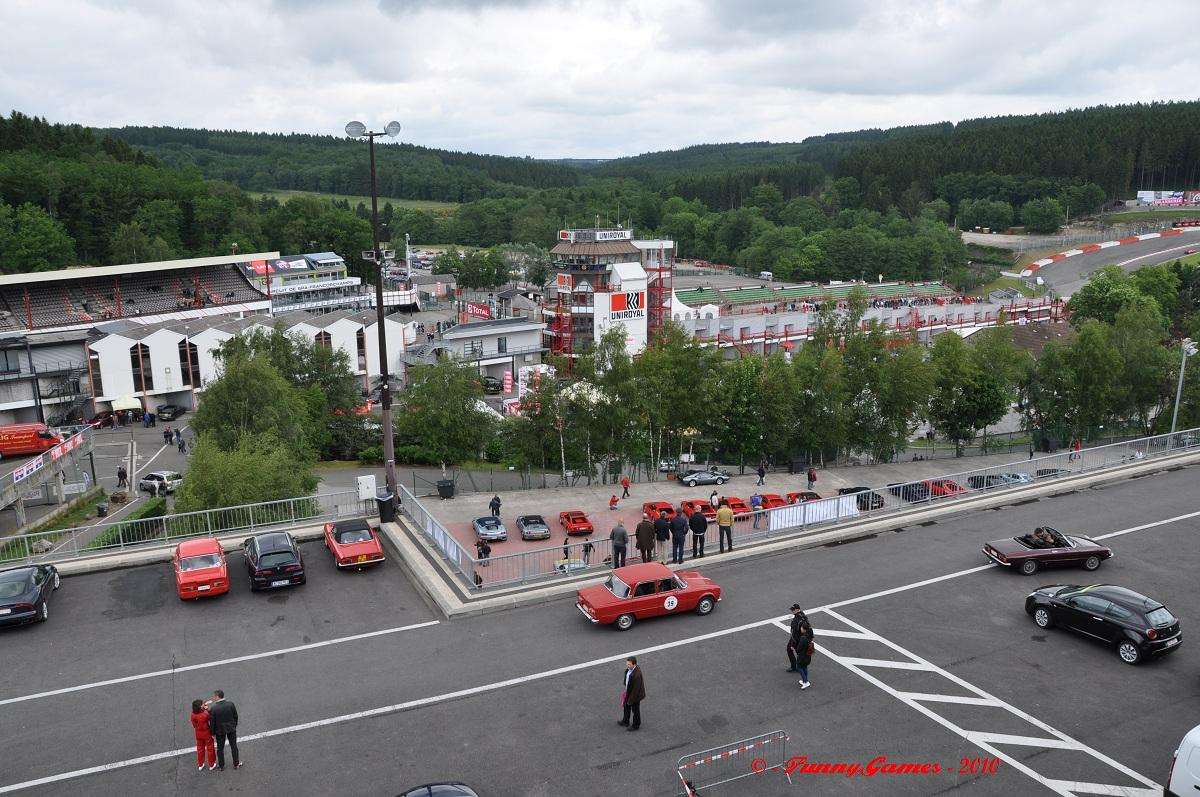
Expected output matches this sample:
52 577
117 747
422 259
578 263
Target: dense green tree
1043 215
31 240
251 397
438 418
1106 293
259 467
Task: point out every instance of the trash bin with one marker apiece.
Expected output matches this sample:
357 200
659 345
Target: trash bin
102 510
387 506
445 488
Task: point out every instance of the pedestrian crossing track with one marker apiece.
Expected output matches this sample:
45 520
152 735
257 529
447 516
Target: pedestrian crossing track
976 712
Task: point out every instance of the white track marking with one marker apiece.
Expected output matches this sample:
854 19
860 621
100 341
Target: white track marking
1155 254
1079 787
843 634
926 697
1144 526
984 740
781 622
219 663
885 664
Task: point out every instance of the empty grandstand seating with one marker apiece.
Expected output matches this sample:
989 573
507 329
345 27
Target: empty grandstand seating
74 301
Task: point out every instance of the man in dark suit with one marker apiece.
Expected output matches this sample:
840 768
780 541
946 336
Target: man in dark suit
223 717
634 694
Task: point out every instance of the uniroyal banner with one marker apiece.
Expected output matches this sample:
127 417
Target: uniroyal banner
478 310
564 281
628 305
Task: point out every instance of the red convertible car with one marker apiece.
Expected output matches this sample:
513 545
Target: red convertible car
636 592
575 522
700 505
802 496
1046 547
353 543
772 500
200 569
652 508
944 488
738 506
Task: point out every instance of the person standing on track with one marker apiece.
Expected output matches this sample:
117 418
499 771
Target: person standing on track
223 718
206 750
632 695
800 645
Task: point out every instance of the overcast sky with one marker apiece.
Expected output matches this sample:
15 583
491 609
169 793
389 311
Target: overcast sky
556 78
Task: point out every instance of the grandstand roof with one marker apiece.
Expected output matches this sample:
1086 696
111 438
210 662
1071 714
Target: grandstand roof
695 297
89 272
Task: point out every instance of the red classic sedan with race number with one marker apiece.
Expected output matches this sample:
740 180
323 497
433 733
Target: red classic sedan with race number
637 592
353 543
1046 547
575 522
200 569
700 505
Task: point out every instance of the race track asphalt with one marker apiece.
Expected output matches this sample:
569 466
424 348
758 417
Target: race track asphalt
524 702
1067 276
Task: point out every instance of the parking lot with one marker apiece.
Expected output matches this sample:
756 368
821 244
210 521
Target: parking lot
524 702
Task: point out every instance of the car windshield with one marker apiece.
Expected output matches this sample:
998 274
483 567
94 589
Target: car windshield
488 522
1157 617
534 520
617 587
13 586
199 562
276 558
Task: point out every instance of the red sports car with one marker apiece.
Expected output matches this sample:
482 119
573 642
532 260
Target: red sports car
802 496
772 500
700 505
944 488
636 592
200 569
738 506
652 508
1046 547
353 543
575 522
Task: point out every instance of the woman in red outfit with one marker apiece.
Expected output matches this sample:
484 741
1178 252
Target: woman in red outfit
205 746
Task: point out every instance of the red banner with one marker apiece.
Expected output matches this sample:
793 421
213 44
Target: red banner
478 310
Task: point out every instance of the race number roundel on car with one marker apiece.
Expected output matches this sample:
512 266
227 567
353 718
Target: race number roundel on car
671 603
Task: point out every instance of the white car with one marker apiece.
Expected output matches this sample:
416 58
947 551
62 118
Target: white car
152 482
1185 768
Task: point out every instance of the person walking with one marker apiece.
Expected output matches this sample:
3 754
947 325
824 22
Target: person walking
122 477
679 530
178 434
494 505
662 534
698 523
632 695
619 538
800 644
644 534
756 507
812 478
223 718
206 749
182 444
762 474
713 500
725 525
625 486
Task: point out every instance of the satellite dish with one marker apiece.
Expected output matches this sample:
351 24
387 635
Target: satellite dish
392 129
355 129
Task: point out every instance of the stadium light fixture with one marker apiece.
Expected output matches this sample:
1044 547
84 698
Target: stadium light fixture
1188 348
356 129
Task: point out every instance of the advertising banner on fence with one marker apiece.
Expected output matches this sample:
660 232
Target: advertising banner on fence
29 468
826 510
478 311
528 377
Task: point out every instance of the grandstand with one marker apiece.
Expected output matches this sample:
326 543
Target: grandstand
81 297
755 294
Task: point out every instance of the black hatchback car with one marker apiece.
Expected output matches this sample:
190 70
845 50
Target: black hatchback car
866 498
273 560
25 594
910 491
1136 626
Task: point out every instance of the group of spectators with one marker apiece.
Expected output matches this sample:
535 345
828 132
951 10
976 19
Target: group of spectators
653 534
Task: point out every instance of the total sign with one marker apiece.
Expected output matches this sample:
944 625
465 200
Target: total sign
627 309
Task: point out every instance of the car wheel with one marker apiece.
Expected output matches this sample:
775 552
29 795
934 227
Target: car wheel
45 615
1129 652
57 580
1029 567
720 481
691 483
705 606
624 622
1041 616
1091 563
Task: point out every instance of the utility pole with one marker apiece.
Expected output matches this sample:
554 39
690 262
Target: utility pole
1188 348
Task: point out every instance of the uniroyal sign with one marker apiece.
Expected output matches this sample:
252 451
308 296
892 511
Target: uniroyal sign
581 236
628 305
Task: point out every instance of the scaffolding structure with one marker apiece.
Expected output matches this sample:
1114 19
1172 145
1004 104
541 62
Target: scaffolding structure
659 291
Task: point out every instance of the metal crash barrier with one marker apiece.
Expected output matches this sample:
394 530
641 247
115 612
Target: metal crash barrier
699 772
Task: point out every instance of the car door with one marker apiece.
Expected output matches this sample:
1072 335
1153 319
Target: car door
644 601
1088 614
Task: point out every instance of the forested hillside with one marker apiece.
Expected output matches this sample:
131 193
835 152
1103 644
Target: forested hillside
328 164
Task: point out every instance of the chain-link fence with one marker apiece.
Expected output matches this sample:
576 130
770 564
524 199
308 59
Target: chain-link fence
120 535
595 555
